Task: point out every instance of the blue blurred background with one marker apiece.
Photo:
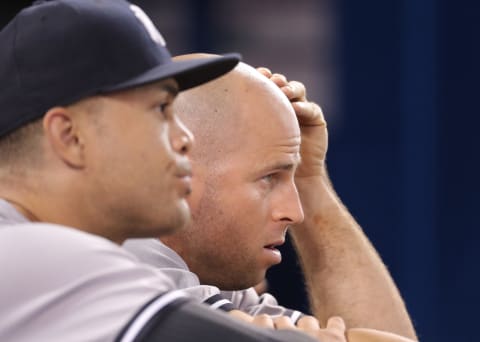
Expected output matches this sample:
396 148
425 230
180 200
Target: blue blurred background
398 82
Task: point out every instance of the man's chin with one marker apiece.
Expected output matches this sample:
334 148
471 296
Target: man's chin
169 230
176 222
184 214
246 282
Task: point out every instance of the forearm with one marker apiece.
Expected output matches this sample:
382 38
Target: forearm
344 274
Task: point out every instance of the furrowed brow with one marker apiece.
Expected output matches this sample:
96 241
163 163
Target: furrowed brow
285 166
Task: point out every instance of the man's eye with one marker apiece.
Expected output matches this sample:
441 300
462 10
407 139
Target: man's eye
163 107
268 178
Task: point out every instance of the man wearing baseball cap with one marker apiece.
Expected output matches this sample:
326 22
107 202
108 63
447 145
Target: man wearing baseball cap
91 154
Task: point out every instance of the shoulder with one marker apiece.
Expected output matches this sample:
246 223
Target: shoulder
71 277
158 255
30 232
64 253
155 252
55 244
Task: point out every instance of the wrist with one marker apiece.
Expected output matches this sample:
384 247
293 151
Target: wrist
318 196
317 179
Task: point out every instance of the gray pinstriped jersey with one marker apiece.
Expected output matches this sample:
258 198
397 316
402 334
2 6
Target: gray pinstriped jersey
157 254
49 271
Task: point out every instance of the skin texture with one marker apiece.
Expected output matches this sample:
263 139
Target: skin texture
233 219
93 147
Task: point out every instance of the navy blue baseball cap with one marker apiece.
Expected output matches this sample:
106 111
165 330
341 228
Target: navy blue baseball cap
57 52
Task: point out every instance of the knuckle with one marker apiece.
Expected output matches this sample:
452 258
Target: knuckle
309 319
281 319
298 86
280 76
263 317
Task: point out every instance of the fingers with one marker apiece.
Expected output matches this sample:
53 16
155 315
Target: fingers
284 322
295 91
334 332
264 321
309 114
265 71
279 79
308 323
241 316
336 324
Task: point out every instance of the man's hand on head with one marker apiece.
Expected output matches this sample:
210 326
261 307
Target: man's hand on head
312 125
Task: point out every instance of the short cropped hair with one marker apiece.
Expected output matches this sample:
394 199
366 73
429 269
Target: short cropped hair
21 146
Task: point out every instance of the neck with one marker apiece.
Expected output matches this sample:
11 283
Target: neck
22 209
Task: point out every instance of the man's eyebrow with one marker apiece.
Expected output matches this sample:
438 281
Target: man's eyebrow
285 166
170 88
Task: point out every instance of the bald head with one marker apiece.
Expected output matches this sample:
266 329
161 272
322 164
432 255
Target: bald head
222 113
246 152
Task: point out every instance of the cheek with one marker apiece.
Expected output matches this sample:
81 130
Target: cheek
253 206
163 137
153 149
233 213
239 225
247 199
246 207
149 141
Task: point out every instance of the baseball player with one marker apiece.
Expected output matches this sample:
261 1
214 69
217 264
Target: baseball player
91 154
247 190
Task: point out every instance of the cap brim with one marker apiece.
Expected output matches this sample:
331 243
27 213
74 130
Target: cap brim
187 73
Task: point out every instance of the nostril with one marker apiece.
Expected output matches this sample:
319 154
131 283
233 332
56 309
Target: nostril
186 144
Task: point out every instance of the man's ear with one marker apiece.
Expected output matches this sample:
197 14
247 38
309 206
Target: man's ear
62 133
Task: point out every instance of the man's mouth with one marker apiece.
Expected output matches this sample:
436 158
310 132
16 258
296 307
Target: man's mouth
184 175
184 172
275 244
273 255
270 246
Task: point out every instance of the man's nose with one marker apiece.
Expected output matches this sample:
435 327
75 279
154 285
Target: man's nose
182 139
288 207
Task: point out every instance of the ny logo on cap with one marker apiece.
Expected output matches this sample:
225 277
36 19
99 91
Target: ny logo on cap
147 23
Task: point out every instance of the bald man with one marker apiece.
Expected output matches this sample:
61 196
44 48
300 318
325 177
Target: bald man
259 170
